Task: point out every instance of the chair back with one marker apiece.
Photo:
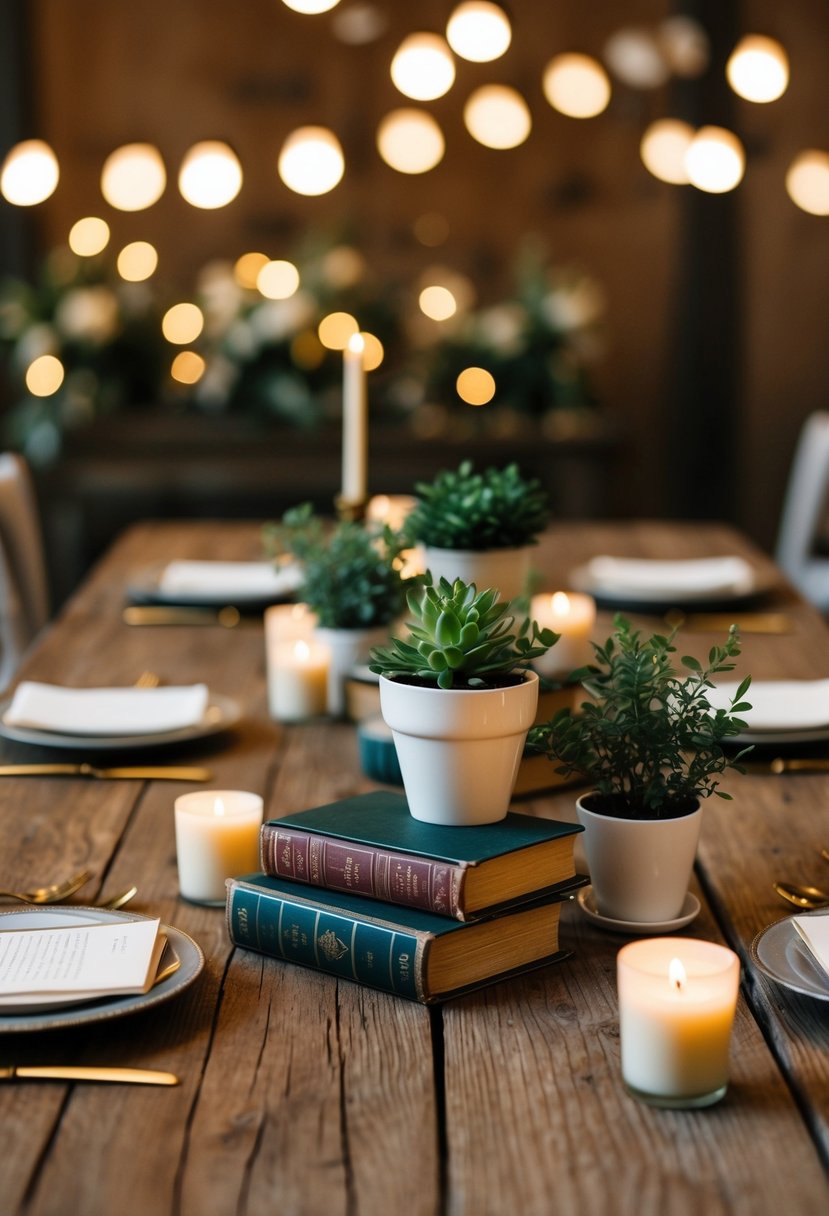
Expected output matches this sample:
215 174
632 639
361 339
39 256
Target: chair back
804 509
24 596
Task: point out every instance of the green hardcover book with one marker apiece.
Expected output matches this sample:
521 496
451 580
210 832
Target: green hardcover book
413 954
370 845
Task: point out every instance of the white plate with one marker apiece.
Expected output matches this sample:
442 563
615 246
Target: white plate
587 903
146 588
221 714
645 599
74 1014
781 954
780 737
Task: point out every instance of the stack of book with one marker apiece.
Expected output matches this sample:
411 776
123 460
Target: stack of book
361 889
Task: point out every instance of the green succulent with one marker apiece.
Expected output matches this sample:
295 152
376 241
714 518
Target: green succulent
495 509
351 573
648 740
460 636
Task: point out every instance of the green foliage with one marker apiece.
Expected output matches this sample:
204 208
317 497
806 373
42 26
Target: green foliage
460 636
648 738
351 573
496 509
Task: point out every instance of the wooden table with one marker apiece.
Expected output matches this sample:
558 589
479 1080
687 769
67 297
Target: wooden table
301 1094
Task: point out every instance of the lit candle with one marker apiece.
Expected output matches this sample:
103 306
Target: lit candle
677 1000
217 837
572 616
288 623
355 422
391 509
297 680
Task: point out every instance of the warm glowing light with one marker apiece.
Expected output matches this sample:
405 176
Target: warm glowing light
423 67
336 329
30 173
664 147
247 267
44 376
133 177
807 182
219 807
685 45
677 975
88 236
278 280
137 261
479 31
210 175
576 85
560 603
497 116
438 302
715 160
758 69
373 352
410 141
475 386
357 343
635 57
187 367
182 323
311 7
311 161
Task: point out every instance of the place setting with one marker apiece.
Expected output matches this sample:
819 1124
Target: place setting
649 585
209 592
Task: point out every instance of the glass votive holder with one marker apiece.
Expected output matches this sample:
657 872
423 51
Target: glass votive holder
217 837
572 615
677 1000
298 675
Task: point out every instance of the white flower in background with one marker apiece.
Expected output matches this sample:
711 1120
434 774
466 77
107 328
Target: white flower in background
276 320
214 388
240 340
502 327
343 267
575 306
39 339
88 314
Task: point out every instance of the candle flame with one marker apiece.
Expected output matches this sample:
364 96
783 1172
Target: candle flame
219 807
560 604
677 974
302 651
357 343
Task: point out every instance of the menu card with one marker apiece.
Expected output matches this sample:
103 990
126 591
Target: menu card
814 931
80 961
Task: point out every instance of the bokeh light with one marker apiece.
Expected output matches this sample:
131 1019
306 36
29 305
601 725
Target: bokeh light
337 329
29 174
479 31
410 141
715 160
182 323
664 147
475 386
187 367
311 161
278 280
807 182
246 269
437 302
423 67
210 175
133 177
497 116
758 69
576 85
89 236
373 352
137 261
311 7
44 376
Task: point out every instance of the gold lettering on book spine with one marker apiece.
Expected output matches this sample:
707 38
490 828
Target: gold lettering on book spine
331 946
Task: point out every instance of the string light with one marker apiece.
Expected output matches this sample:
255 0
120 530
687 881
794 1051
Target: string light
807 182
423 67
133 177
311 161
758 69
497 116
479 31
29 174
410 141
576 85
210 175
89 236
715 160
664 147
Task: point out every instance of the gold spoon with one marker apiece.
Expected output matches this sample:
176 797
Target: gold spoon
54 894
118 901
804 897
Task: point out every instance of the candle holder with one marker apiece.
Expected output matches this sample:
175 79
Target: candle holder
350 510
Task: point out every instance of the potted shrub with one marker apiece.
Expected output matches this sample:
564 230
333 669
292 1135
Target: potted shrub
459 699
480 527
652 748
352 581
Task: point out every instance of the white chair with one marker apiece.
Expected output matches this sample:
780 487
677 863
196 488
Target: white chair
804 510
24 596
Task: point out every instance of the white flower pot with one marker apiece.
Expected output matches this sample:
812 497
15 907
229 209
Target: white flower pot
459 749
639 868
506 569
347 648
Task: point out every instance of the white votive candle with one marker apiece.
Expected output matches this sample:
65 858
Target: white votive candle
677 1000
288 623
298 680
573 616
217 837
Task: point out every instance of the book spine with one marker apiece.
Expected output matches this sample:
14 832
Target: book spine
342 865
352 947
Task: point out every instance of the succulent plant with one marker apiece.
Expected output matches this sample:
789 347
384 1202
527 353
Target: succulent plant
460 636
495 509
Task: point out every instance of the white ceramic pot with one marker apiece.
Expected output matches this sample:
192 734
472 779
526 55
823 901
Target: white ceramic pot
347 648
506 569
459 749
639 868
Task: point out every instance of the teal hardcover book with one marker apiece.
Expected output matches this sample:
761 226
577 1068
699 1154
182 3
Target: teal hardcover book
413 954
370 845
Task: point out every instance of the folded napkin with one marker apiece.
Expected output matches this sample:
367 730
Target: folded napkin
779 705
106 711
229 579
652 576
814 930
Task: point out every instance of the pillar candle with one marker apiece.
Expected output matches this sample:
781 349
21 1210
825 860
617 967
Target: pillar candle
288 623
355 422
573 616
298 680
217 837
677 999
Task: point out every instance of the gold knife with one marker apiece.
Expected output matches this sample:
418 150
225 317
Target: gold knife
139 772
157 614
59 1072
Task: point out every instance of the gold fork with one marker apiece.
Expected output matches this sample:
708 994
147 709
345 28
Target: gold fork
148 679
53 894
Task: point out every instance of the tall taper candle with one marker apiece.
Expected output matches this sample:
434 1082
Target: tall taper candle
355 422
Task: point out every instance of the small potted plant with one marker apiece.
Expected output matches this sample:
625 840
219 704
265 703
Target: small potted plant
352 581
459 699
651 747
480 527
